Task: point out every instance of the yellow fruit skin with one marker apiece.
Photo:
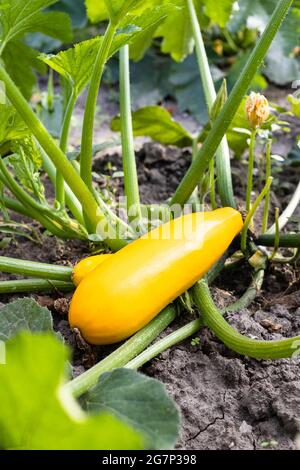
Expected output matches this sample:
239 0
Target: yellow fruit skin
130 288
85 266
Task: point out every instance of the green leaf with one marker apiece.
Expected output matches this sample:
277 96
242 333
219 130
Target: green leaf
218 12
139 401
99 10
19 17
38 414
148 20
76 10
23 315
26 162
12 126
177 41
21 70
157 123
75 64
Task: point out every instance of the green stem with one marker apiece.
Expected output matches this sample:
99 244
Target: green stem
71 200
224 178
167 342
60 182
128 155
230 108
126 230
250 294
34 285
35 269
212 187
250 169
58 158
50 92
268 174
251 214
124 353
52 227
90 107
24 197
289 211
231 338
291 240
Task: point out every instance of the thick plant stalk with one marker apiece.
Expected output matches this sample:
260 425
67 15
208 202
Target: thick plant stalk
34 285
167 342
223 121
128 154
290 240
90 107
224 179
35 269
241 344
60 182
124 353
59 159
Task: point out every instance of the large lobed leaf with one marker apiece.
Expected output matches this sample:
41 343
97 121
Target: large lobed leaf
139 401
23 315
19 17
36 413
76 63
176 31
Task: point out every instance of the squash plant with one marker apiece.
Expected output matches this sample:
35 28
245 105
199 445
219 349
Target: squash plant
81 211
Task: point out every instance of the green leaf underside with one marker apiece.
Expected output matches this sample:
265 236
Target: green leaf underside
139 401
37 415
218 12
23 315
157 123
97 9
76 63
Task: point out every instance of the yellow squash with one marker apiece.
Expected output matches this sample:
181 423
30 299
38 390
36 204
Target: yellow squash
130 288
85 266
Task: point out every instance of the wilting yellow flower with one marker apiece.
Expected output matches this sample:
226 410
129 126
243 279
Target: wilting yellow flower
257 108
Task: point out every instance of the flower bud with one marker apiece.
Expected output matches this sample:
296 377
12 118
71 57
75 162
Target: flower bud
257 109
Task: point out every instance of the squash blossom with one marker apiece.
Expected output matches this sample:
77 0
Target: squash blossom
257 109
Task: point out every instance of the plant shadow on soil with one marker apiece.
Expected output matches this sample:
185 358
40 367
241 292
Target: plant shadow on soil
226 401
